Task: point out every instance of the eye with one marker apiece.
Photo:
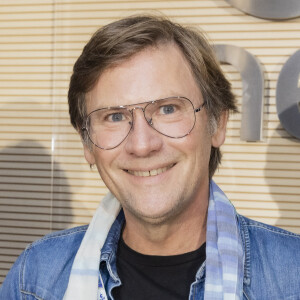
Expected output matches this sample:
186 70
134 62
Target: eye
115 117
167 109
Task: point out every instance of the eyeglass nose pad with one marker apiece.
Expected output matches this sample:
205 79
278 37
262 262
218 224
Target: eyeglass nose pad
143 110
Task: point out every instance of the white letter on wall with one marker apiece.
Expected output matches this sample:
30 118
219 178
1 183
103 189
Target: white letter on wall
288 95
253 88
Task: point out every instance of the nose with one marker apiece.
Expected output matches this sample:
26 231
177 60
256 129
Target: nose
143 140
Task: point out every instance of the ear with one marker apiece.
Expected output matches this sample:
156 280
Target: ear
218 138
89 155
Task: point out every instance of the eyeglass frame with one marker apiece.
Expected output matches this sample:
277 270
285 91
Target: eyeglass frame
136 106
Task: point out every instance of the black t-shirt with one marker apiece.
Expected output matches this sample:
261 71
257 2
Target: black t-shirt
147 277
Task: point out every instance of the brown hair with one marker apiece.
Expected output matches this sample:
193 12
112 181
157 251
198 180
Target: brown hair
122 39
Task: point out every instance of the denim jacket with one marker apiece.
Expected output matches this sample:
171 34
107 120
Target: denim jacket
271 271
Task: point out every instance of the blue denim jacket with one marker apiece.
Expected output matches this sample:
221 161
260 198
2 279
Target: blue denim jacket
272 264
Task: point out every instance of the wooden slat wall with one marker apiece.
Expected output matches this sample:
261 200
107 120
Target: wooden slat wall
46 185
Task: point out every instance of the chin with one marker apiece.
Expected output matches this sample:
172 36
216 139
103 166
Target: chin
155 217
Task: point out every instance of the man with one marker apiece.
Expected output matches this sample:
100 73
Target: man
151 105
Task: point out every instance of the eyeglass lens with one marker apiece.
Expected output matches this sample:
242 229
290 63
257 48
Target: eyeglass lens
172 117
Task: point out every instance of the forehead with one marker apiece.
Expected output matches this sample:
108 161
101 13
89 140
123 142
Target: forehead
154 73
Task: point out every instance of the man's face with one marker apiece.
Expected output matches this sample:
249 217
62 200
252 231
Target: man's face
181 165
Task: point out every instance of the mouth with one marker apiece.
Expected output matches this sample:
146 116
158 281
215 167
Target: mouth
152 172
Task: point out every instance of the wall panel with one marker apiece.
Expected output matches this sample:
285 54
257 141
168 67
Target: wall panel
45 183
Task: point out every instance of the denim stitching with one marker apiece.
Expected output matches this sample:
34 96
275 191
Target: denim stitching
246 295
278 231
53 235
58 235
246 241
31 294
22 271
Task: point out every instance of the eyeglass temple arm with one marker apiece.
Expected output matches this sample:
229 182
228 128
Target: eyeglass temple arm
200 107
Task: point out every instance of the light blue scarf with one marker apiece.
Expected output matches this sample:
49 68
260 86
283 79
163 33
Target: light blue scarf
224 253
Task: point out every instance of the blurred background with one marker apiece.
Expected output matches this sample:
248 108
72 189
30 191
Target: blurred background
45 183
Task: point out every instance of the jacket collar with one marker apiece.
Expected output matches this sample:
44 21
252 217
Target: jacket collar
109 250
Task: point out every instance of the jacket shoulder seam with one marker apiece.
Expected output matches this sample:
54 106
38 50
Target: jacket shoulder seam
274 230
252 223
58 234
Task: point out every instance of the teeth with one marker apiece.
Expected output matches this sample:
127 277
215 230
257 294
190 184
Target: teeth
153 172
149 173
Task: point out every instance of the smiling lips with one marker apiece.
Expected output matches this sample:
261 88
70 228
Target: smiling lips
149 173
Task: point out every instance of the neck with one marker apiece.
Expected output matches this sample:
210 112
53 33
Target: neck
185 233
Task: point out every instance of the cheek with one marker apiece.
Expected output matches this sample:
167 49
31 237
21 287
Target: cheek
199 140
199 148
105 162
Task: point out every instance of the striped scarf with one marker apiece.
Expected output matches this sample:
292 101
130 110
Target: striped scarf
224 253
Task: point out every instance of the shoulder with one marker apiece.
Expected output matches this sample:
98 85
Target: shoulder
260 237
258 230
272 260
56 247
43 268
73 235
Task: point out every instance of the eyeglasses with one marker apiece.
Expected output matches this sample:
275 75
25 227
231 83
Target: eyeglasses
173 117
